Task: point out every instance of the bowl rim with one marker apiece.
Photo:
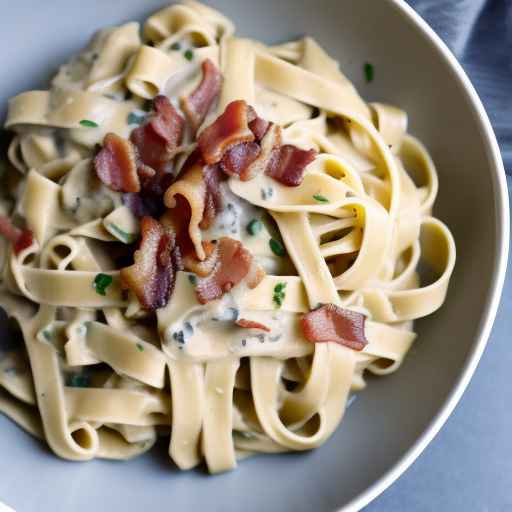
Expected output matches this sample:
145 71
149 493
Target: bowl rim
500 190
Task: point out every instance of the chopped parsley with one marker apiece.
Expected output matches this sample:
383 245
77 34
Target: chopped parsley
78 381
369 72
47 335
254 227
279 294
193 279
176 46
88 124
134 118
320 198
140 347
101 283
127 238
188 54
277 247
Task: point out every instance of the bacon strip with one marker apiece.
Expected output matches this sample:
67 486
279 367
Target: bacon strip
213 201
116 164
199 186
197 105
249 159
246 145
330 323
234 264
259 127
205 267
158 139
288 164
251 324
229 129
20 238
153 274
237 160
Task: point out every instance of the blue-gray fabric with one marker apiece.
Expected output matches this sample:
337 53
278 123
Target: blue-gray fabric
479 32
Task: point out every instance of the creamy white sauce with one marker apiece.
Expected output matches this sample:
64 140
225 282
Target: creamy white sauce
233 222
235 217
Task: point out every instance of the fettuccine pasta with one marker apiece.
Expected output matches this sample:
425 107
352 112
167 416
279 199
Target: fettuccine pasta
207 238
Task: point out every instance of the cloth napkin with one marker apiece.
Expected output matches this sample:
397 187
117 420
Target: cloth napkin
479 32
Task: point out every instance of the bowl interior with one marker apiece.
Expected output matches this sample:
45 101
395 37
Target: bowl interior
390 415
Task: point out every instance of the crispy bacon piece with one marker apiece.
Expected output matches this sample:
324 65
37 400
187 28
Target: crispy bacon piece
251 324
153 274
116 164
330 323
19 238
237 160
213 201
158 139
259 127
197 105
202 268
249 159
233 264
288 163
229 129
246 145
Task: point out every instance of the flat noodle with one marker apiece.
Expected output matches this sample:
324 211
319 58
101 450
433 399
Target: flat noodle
96 374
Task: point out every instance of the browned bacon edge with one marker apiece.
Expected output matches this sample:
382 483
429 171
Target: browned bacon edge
288 163
331 323
251 324
234 264
246 145
158 139
229 129
199 102
116 164
153 275
20 238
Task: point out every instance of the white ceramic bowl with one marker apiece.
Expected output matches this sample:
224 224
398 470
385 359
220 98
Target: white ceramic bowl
396 417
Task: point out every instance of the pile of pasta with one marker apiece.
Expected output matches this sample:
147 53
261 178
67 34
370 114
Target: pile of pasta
99 375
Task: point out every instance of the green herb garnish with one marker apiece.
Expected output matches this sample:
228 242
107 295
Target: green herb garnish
101 283
139 346
277 247
193 279
279 294
254 227
47 335
78 381
88 124
176 46
369 72
127 238
134 118
320 198
188 54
